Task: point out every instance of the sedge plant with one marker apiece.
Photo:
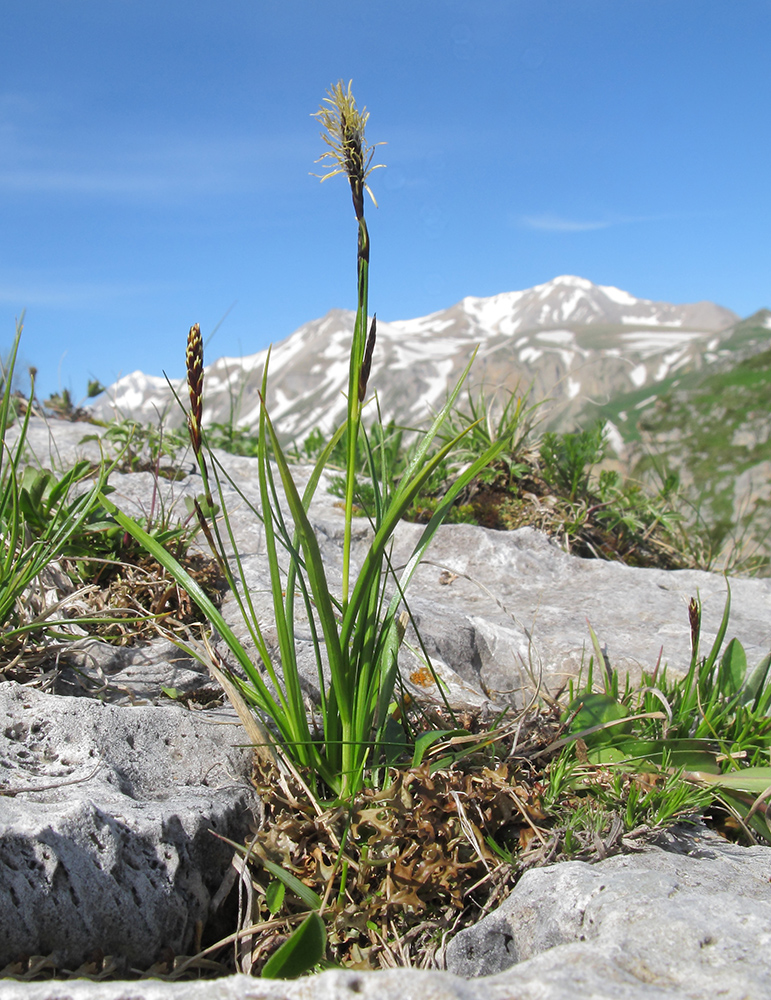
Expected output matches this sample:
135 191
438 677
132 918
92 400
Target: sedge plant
357 625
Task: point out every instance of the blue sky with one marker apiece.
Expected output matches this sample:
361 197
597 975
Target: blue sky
155 162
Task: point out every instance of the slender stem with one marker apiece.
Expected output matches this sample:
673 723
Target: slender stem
354 403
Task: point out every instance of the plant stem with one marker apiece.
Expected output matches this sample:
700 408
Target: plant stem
354 402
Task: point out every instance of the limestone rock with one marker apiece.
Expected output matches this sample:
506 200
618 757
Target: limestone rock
693 918
107 817
687 920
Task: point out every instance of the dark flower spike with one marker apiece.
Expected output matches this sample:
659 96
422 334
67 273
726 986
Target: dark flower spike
194 358
367 363
694 620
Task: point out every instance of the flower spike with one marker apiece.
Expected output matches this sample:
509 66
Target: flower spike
343 131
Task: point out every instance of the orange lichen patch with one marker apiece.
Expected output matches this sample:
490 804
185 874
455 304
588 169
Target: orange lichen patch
422 677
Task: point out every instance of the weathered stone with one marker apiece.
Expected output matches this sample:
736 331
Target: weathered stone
685 921
695 918
115 850
550 598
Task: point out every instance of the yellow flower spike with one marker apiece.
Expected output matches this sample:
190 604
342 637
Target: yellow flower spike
343 131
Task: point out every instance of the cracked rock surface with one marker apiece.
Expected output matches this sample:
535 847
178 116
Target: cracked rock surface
691 917
107 817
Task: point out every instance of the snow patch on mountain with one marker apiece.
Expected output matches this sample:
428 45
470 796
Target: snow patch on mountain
650 321
618 296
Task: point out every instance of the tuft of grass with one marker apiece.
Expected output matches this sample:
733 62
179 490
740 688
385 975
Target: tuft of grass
694 742
357 629
568 459
67 569
42 517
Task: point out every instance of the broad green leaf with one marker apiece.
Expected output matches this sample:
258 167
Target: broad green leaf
610 755
641 755
750 780
733 669
303 950
425 741
593 710
393 742
274 896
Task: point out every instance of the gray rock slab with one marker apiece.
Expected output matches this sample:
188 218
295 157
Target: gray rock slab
58 444
107 817
690 921
694 918
577 977
128 675
520 606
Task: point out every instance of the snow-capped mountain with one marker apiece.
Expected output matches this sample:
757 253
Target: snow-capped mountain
573 341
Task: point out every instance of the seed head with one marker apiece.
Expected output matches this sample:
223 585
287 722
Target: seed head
343 131
694 620
194 359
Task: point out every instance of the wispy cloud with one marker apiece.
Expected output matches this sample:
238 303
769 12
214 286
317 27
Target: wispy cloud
56 294
148 167
548 222
559 224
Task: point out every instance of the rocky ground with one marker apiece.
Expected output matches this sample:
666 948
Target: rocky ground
110 790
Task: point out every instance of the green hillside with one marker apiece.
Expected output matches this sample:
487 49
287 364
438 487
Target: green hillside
713 427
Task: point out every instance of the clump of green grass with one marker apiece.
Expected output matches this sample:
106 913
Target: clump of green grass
148 447
357 628
42 518
66 567
696 742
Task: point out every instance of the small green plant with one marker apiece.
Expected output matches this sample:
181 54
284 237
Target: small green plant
509 425
698 740
357 629
568 459
235 440
62 405
40 516
145 447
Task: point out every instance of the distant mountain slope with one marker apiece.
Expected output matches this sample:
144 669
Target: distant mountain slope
714 427
572 340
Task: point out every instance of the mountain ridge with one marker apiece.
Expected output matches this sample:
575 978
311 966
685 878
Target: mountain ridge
569 339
